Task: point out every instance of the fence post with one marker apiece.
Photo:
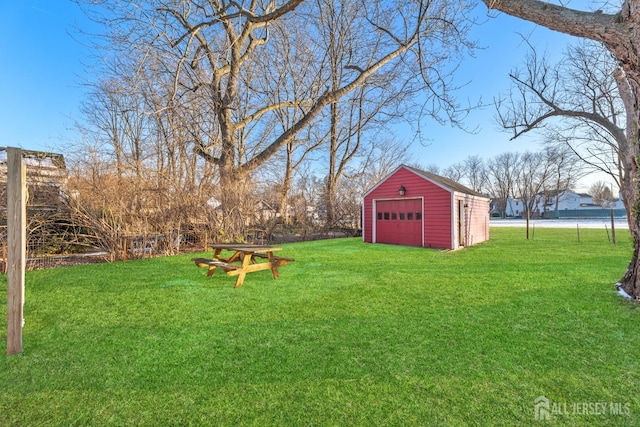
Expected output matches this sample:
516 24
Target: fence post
613 228
16 242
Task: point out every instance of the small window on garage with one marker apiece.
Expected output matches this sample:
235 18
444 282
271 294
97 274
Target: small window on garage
418 216
410 216
394 215
386 215
379 215
401 216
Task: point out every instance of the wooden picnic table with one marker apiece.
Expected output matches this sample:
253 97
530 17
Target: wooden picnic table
243 259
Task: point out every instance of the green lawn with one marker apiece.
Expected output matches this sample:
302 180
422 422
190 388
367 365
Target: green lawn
350 334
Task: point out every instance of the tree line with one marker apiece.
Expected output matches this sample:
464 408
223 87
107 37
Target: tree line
206 112
526 176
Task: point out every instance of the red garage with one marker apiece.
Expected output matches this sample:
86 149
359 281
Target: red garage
417 208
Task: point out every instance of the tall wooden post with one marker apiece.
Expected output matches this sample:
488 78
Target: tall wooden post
16 254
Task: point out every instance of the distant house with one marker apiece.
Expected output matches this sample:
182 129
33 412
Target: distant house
417 208
514 207
566 203
569 199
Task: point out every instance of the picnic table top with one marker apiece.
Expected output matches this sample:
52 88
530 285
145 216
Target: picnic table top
243 247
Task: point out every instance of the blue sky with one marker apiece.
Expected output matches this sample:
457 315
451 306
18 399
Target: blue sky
43 70
40 73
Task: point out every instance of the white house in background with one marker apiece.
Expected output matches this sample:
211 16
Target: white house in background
570 200
566 200
515 207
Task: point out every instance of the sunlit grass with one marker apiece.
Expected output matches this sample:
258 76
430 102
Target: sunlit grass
350 334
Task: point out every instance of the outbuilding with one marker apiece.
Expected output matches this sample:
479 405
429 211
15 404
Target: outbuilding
417 208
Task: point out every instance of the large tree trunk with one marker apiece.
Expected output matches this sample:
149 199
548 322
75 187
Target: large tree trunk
631 281
236 205
332 176
620 33
630 94
283 204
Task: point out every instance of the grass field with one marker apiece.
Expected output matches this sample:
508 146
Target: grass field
350 334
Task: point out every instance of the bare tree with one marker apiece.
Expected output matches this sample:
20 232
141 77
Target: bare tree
470 171
288 78
619 30
454 172
212 52
383 158
565 170
533 175
501 173
132 172
582 92
357 118
431 167
601 194
114 117
474 173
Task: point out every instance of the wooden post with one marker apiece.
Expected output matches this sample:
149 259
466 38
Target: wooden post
613 228
16 255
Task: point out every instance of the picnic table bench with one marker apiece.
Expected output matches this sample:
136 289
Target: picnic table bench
242 260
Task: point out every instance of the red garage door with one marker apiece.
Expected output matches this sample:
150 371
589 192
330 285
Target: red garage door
399 222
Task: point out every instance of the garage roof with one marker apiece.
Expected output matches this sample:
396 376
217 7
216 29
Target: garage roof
445 182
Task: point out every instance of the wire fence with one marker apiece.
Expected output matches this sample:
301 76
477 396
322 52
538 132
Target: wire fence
45 250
